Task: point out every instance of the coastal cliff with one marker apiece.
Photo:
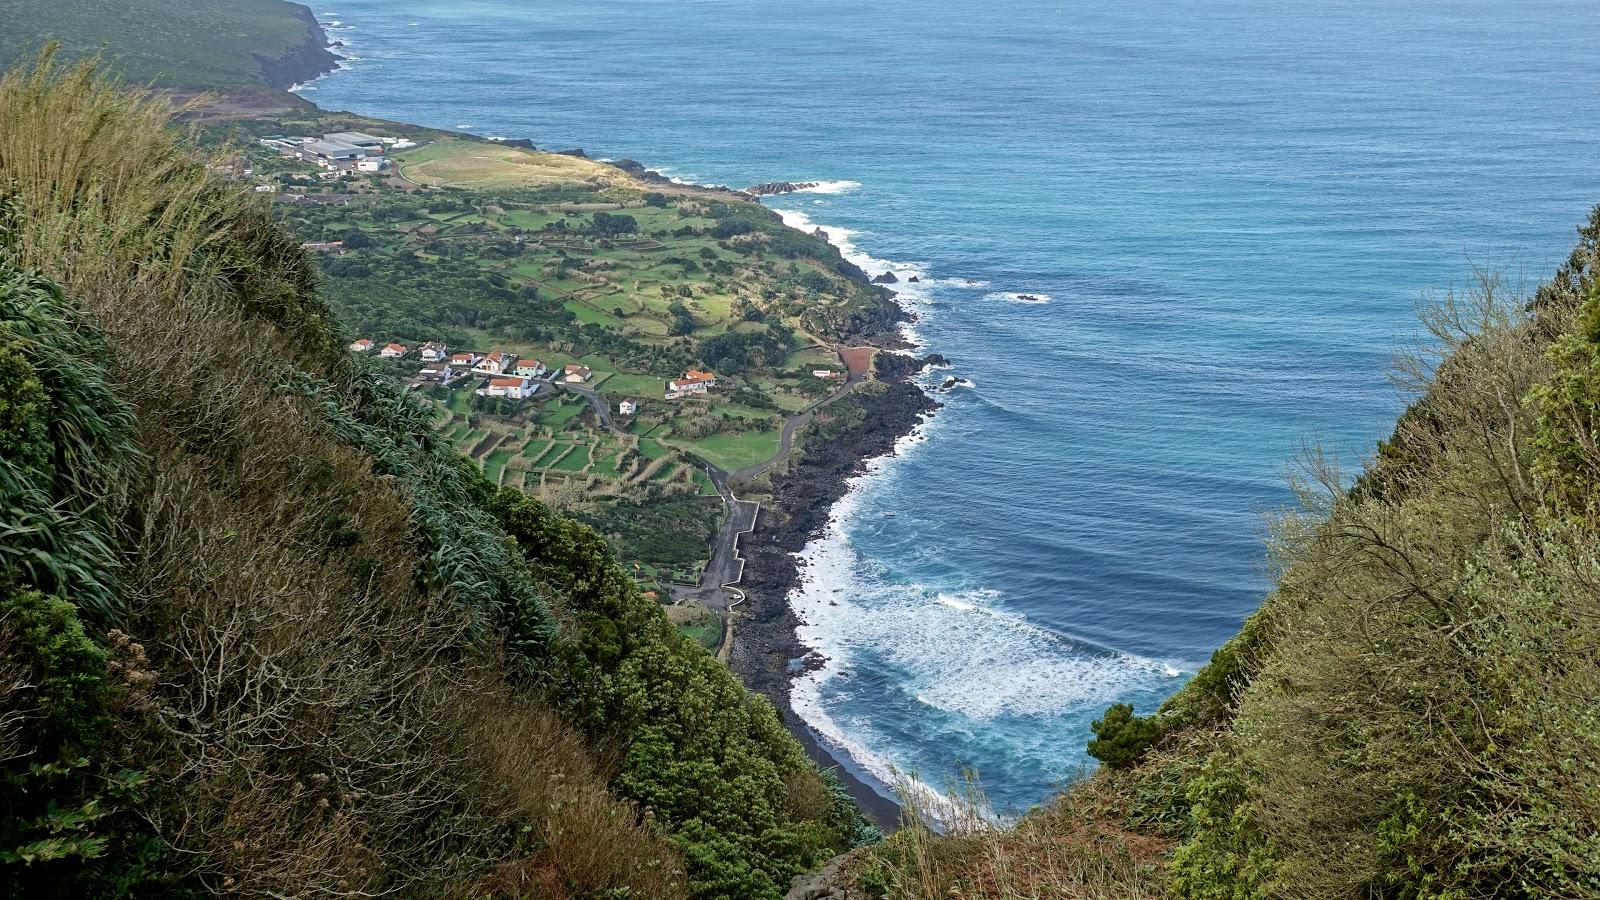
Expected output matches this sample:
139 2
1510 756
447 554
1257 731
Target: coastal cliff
301 62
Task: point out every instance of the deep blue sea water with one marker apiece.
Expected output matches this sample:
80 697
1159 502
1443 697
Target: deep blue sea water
1225 209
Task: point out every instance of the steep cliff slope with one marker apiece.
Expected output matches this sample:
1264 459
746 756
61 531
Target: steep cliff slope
262 632
1414 712
190 44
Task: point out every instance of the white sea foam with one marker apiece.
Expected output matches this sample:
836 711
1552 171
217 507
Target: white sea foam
962 649
844 239
1025 297
908 293
828 187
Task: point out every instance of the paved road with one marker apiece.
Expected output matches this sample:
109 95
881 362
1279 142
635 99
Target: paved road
726 568
792 426
718 584
602 407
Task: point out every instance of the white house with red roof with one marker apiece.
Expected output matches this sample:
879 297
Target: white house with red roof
513 387
363 345
495 362
393 351
693 382
464 360
530 368
575 373
434 351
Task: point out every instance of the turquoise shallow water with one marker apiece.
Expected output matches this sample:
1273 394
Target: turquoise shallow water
1226 211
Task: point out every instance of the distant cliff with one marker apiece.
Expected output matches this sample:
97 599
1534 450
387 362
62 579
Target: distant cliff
300 62
214 45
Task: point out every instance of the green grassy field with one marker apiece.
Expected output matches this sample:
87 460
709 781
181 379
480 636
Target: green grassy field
733 451
563 259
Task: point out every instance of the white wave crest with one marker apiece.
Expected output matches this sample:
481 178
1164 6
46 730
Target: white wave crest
828 187
1025 297
959 649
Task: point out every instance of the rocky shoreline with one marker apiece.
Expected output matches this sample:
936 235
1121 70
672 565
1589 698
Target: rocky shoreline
767 652
304 62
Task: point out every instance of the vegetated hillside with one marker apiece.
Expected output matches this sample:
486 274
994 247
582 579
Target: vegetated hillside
561 259
222 44
1414 712
262 632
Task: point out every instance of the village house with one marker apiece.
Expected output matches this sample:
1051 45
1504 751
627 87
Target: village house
372 164
509 386
823 373
393 351
323 246
627 408
464 360
576 374
362 345
437 373
693 382
530 368
493 363
434 351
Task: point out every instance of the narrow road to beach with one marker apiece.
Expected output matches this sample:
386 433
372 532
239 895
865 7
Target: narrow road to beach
717 588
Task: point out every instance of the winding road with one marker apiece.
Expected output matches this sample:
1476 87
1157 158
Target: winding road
718 583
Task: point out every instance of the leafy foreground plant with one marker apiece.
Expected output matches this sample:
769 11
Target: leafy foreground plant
263 633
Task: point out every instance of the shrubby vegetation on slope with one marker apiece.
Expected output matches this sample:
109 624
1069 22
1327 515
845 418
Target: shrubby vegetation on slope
193 44
263 632
1415 710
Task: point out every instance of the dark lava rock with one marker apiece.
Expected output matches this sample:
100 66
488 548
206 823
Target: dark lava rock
886 278
637 169
772 188
801 505
914 279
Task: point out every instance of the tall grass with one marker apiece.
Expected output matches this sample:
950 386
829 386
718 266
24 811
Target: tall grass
330 710
952 847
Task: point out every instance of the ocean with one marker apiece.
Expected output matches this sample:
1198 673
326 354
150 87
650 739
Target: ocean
1168 245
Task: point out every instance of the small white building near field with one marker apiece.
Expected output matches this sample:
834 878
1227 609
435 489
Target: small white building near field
363 345
510 386
434 351
693 382
440 373
627 408
530 368
393 351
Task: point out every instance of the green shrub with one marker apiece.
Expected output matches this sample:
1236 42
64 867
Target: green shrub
67 826
1121 737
